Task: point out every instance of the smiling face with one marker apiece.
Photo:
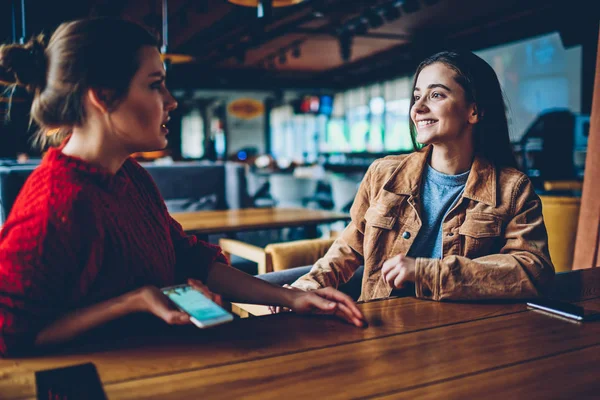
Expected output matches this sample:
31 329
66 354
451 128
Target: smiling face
441 112
140 118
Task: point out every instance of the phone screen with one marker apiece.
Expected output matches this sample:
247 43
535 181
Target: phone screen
203 311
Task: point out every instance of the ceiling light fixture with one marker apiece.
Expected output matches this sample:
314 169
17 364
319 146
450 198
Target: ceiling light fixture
170 58
276 3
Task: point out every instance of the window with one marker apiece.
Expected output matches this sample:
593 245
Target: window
192 135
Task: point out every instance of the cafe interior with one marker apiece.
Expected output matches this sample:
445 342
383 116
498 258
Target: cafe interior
282 107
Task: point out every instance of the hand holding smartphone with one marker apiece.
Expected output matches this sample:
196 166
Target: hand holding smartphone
564 309
203 312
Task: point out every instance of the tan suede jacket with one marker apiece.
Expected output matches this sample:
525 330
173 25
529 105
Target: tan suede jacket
494 240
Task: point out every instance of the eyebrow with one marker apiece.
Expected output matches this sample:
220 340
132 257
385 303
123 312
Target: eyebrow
435 85
157 74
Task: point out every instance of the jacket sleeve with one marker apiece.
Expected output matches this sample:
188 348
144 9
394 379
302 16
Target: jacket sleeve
521 269
193 256
346 253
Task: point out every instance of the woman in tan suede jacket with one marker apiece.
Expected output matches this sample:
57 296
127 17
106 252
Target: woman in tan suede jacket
491 236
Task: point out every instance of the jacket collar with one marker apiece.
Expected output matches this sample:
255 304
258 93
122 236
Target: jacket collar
406 179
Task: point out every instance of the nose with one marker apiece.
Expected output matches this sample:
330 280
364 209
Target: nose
170 102
420 106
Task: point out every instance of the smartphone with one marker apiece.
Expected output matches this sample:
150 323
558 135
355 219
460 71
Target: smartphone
203 312
70 383
564 309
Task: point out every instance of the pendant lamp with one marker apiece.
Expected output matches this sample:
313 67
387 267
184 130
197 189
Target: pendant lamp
276 3
170 58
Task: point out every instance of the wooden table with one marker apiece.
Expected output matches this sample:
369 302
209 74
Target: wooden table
412 349
247 219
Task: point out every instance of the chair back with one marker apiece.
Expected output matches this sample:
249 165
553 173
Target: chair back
190 186
561 215
12 180
281 256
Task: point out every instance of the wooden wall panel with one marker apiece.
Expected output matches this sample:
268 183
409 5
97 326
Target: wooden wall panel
587 244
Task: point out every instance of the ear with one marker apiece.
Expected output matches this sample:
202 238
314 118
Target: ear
99 99
474 115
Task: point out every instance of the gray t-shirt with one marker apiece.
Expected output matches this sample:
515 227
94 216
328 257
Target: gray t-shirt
439 193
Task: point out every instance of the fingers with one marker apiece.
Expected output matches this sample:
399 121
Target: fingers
176 318
391 264
387 266
322 304
399 281
391 276
342 298
218 299
199 286
344 312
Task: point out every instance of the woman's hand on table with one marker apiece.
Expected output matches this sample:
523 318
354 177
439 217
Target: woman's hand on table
280 309
327 301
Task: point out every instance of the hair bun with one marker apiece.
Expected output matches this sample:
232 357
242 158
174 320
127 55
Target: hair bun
26 63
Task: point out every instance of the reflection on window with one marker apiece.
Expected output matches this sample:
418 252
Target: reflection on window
337 138
297 136
192 135
536 75
397 136
359 127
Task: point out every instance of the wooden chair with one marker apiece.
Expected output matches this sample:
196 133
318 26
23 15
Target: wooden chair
561 215
278 256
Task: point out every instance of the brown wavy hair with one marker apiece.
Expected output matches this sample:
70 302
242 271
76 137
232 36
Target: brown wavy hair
100 53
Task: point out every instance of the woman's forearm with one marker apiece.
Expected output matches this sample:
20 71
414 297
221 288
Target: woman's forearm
79 321
236 285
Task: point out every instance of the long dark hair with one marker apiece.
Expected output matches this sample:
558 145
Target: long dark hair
100 53
481 86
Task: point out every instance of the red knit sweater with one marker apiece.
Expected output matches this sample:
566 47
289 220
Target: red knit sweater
78 235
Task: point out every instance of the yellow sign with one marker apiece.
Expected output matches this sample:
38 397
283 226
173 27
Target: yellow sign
246 108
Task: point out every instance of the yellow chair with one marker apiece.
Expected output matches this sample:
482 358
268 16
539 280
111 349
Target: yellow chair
278 256
561 215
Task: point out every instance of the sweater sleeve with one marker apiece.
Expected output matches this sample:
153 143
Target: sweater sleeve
39 266
193 256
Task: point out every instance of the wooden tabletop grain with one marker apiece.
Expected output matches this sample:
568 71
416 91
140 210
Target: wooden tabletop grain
411 349
223 221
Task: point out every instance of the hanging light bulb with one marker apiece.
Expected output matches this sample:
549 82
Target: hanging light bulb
170 58
276 3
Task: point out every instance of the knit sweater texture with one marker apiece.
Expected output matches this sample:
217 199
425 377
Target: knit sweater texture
78 235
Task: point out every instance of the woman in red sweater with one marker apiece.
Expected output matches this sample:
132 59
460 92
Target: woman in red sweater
89 239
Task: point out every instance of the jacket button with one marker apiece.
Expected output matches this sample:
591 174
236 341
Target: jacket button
406 235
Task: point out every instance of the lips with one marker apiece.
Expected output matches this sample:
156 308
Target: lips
163 126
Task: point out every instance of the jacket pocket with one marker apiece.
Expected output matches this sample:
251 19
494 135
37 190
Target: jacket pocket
480 234
480 225
374 218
